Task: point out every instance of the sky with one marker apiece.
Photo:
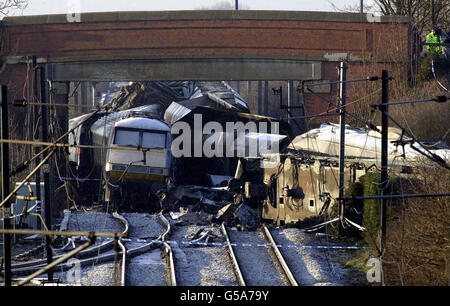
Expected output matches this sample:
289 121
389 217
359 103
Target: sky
41 7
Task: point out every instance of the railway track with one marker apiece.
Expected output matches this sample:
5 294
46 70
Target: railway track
200 265
272 269
168 254
108 251
279 256
239 260
105 252
144 249
99 253
310 267
245 260
146 267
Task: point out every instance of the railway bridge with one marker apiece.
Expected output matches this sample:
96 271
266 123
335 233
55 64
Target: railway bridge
199 45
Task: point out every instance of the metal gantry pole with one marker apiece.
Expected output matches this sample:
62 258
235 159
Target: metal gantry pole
342 111
266 98
260 95
5 188
384 155
45 137
290 98
37 137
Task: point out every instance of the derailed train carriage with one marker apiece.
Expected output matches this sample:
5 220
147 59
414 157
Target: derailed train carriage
304 182
137 160
233 132
128 162
131 158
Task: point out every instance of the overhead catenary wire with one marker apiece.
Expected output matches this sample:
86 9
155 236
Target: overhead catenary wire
368 124
337 108
439 99
397 196
25 164
433 157
24 103
372 78
66 145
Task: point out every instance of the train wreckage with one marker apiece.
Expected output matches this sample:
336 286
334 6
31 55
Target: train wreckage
139 132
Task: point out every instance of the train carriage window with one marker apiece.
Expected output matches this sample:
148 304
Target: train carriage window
127 138
153 140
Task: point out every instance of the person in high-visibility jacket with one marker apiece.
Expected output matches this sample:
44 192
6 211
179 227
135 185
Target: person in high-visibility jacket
434 38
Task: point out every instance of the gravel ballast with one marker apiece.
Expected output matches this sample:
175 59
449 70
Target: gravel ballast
201 266
148 269
310 267
256 263
91 222
143 226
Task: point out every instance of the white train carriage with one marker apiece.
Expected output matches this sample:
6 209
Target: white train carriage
135 160
139 150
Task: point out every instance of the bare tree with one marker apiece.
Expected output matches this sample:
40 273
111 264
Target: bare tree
356 8
7 5
419 11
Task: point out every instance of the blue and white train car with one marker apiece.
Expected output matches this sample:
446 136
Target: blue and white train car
131 154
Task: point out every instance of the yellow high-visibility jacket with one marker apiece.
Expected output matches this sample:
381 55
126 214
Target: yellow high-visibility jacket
433 39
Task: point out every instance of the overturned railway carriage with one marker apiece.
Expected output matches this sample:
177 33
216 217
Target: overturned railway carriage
305 181
290 187
132 158
299 188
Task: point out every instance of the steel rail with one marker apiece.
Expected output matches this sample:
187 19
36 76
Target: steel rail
86 255
65 233
168 251
236 268
123 266
104 247
123 277
58 261
279 256
98 259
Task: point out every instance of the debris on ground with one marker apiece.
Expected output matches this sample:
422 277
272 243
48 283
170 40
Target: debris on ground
204 205
197 218
247 217
195 198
